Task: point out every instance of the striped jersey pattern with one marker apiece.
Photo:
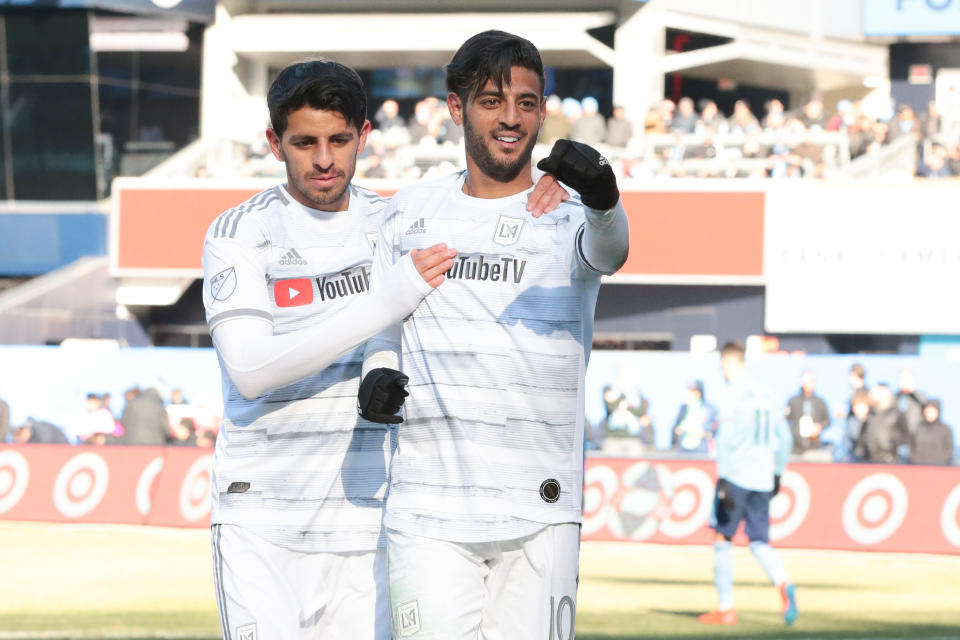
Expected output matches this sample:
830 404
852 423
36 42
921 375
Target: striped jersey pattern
496 358
296 465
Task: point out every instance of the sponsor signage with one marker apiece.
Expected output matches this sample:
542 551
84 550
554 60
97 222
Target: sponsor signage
910 17
820 506
845 259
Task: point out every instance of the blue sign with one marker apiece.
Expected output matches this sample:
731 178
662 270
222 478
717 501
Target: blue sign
911 17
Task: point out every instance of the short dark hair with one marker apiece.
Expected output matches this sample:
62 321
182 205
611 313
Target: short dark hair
321 84
734 349
487 56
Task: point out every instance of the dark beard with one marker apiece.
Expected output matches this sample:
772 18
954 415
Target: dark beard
490 166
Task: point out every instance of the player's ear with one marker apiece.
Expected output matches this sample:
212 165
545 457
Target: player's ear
455 105
275 145
364 132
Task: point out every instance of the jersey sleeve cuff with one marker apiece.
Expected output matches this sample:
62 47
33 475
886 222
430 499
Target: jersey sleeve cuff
238 313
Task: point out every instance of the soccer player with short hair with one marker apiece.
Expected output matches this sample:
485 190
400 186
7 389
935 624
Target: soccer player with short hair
298 478
753 444
486 481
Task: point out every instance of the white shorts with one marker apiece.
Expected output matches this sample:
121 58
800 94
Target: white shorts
505 590
266 592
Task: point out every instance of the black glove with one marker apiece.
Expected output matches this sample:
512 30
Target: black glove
724 495
381 395
776 485
585 170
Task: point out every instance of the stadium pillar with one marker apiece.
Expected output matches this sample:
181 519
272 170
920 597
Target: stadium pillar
639 43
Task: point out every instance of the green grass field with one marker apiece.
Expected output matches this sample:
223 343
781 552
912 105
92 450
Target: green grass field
95 581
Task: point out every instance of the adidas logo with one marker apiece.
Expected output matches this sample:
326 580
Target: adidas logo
292 257
416 227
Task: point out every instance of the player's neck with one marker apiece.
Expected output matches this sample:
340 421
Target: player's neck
479 185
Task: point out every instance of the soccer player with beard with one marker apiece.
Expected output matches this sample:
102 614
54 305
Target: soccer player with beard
486 481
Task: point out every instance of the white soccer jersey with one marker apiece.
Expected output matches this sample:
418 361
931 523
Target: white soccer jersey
496 358
296 465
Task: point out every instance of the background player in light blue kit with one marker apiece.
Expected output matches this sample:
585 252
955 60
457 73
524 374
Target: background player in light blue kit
753 444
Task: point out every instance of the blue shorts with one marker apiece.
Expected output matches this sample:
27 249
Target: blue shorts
752 506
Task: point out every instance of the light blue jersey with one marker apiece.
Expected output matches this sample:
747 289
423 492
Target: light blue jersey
753 439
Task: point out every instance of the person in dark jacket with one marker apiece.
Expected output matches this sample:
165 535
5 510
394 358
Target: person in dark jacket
807 415
145 420
932 442
885 430
696 423
39 432
910 402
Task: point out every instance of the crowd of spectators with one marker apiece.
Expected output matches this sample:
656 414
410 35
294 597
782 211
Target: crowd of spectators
675 139
146 419
878 424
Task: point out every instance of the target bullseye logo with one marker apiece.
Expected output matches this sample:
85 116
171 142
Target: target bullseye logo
144 492
950 517
790 507
692 491
80 485
195 490
646 499
875 508
14 478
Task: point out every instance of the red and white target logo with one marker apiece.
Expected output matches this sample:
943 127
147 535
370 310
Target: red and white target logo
14 478
875 508
790 507
144 492
81 485
195 490
950 517
646 499
691 501
599 483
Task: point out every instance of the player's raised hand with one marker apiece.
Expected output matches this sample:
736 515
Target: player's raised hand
546 196
381 395
585 170
433 262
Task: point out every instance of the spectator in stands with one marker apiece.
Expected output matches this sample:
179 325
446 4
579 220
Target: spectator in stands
555 124
857 379
184 433
619 129
653 122
145 420
4 420
685 119
934 163
885 430
743 121
930 122
932 442
775 118
627 426
844 118
904 123
39 432
711 117
177 397
590 128
206 439
388 116
910 402
696 422
813 116
421 124
953 159
96 423
807 415
859 412
448 131
372 167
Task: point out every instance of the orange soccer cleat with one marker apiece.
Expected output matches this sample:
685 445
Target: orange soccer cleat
719 617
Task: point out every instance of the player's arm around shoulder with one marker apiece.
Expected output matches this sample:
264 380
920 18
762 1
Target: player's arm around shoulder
603 240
